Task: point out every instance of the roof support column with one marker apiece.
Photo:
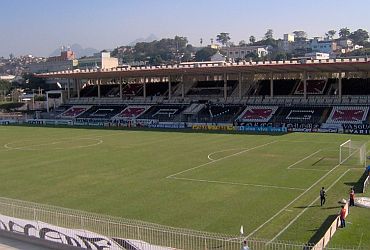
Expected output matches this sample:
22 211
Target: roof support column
182 88
120 88
340 86
305 85
271 85
78 87
69 88
144 88
169 88
240 80
225 87
99 93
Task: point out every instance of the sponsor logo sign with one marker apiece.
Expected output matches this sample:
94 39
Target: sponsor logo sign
72 237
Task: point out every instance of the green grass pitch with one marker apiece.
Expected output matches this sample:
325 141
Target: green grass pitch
203 181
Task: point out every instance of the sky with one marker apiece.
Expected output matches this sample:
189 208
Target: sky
38 27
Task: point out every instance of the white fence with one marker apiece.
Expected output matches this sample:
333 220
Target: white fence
93 231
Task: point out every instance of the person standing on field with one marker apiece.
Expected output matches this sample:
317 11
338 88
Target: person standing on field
352 197
342 215
245 246
322 196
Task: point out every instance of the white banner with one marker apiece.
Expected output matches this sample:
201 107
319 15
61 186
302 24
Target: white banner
72 237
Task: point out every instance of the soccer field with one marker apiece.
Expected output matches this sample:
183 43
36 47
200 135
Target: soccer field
203 181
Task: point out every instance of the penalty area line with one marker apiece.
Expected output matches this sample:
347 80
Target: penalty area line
304 210
290 203
220 159
237 183
301 160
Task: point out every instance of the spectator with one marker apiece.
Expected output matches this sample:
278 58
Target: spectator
352 197
322 196
342 215
245 246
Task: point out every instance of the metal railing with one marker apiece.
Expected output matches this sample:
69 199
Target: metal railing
119 231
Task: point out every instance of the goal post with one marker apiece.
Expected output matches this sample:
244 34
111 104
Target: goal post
352 153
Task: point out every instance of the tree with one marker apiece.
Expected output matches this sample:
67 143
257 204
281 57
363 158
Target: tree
330 34
223 38
299 35
269 34
344 33
252 39
359 36
204 54
242 43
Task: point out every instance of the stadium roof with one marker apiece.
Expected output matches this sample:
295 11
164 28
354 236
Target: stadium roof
267 67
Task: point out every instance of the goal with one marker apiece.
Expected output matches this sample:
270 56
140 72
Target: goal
352 153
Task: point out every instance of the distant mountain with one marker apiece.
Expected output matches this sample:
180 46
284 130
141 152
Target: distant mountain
79 51
149 39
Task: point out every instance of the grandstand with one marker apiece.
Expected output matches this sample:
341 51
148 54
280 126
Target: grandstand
331 96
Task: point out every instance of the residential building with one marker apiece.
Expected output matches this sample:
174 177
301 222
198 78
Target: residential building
65 61
102 60
323 46
241 52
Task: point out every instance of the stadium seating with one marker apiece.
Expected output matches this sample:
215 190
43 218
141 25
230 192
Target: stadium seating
302 115
314 87
257 114
102 112
131 112
74 111
348 114
163 113
211 88
356 86
218 113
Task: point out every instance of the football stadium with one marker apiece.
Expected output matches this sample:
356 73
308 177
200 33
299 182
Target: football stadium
194 156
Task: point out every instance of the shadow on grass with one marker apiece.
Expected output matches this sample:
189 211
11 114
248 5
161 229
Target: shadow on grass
145 129
303 207
323 228
359 185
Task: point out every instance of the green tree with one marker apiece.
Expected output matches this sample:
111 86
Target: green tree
269 34
223 38
204 54
359 36
242 43
33 82
5 86
330 34
344 33
299 35
252 39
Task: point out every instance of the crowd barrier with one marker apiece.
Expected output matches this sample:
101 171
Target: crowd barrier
94 231
323 242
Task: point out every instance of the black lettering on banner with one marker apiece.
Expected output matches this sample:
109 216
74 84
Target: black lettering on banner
53 235
3 225
300 115
16 228
99 243
125 244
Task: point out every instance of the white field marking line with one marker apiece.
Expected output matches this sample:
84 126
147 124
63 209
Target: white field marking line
304 210
29 147
222 158
290 203
297 162
215 152
322 142
237 183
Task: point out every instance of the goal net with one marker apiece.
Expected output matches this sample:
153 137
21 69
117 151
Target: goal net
352 153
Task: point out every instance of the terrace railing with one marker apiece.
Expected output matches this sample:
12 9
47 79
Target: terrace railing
95 231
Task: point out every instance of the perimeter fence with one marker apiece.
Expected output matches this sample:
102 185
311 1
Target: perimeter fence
95 231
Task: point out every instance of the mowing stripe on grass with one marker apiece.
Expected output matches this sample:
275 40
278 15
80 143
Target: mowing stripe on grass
222 158
297 162
290 203
237 183
305 209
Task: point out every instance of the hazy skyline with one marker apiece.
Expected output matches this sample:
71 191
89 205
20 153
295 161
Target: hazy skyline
40 26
